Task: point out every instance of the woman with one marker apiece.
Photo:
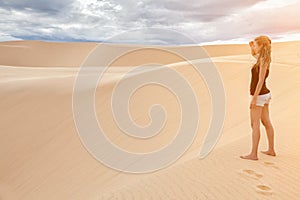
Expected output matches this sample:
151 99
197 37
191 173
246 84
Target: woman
260 96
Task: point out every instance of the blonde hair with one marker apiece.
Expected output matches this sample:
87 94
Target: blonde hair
265 50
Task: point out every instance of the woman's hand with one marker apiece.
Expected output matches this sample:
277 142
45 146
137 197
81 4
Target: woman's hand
253 102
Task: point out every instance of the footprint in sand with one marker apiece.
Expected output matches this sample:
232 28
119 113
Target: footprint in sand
264 189
270 164
251 173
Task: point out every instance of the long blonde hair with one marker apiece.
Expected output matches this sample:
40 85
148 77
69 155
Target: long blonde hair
265 51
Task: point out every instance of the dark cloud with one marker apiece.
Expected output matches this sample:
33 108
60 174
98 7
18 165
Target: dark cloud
44 6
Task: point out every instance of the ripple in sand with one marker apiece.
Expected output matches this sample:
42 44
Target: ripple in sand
270 164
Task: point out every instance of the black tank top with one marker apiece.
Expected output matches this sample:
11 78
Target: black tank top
254 81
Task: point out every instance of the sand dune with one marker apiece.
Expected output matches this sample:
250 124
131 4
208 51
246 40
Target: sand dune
42 156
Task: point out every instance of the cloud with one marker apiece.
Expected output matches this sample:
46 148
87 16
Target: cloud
44 6
98 20
203 11
261 19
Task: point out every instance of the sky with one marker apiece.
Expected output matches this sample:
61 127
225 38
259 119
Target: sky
164 22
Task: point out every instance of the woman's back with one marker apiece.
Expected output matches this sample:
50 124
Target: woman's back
254 81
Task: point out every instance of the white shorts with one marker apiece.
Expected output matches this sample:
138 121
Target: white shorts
262 99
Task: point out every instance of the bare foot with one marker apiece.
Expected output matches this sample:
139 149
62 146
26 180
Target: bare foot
270 153
249 157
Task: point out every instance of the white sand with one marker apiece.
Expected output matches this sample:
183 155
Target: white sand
42 156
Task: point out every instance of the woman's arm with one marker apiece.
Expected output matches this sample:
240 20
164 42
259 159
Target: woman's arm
252 50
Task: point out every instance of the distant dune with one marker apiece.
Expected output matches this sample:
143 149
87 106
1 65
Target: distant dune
42 156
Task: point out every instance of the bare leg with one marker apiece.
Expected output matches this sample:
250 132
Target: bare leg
265 119
255 114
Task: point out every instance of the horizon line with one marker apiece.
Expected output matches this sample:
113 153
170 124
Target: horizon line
216 42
